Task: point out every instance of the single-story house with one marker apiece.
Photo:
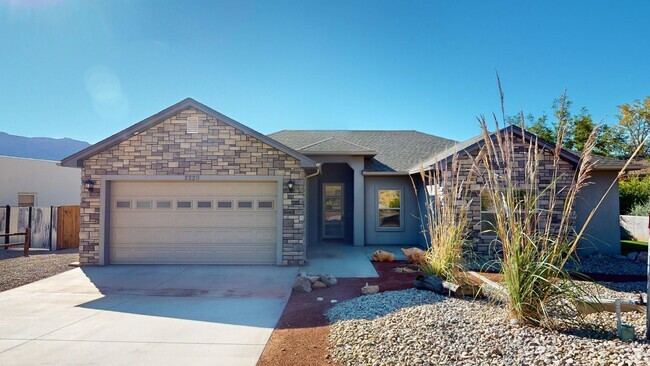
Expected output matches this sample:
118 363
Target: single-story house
191 185
28 182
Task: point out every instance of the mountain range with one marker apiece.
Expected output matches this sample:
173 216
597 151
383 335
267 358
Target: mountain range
39 147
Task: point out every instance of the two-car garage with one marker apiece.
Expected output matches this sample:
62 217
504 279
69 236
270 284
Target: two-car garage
193 222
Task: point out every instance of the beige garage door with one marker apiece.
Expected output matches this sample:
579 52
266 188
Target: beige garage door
193 222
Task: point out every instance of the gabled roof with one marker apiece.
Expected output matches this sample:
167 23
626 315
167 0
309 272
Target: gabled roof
336 146
394 151
467 146
76 160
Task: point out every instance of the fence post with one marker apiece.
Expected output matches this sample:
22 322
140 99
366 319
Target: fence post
51 221
7 222
28 240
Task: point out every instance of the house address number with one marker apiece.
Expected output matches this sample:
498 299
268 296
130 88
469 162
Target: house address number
192 177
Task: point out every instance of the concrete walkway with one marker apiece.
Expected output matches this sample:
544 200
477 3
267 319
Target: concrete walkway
345 260
144 315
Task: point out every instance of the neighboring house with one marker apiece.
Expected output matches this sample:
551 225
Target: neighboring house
34 182
190 185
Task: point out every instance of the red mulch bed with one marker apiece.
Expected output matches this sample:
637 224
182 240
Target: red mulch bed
300 338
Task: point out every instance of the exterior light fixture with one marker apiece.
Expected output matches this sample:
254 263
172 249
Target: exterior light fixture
290 184
88 184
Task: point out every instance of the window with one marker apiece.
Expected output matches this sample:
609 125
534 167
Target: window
265 204
143 205
204 204
163 204
123 204
26 199
389 208
244 204
224 204
488 213
183 204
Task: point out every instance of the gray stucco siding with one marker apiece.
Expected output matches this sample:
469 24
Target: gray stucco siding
603 232
409 233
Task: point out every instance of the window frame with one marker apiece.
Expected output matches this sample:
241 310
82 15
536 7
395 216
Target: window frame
401 209
34 197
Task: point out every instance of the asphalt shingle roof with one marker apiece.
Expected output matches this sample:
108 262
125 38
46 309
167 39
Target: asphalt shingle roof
396 150
335 144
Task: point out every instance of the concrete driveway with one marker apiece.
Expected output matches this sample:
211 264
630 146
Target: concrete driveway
144 315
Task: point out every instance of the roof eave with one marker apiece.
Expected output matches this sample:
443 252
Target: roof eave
375 174
353 153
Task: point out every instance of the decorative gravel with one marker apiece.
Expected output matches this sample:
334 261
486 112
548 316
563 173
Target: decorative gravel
597 263
16 270
609 265
450 331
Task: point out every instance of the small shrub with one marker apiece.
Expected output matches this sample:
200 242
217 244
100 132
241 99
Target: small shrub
641 209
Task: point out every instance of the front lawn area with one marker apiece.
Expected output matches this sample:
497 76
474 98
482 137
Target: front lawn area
629 246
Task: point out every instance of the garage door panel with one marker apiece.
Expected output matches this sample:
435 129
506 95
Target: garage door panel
225 255
193 235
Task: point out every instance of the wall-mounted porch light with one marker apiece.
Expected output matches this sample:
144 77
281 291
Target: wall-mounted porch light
290 184
89 184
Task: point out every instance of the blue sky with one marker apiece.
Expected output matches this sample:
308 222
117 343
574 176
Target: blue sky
87 69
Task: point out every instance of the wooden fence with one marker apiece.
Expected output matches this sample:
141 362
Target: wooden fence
55 227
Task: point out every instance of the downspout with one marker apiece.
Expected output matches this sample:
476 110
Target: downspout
318 165
315 174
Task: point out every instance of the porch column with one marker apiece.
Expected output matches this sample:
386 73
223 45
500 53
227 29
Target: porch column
359 207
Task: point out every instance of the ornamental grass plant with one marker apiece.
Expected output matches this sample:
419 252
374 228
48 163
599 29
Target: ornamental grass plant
533 195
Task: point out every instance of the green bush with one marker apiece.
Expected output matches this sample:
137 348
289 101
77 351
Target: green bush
640 209
633 191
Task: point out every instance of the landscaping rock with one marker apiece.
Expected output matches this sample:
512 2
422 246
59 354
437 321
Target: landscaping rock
313 279
431 283
318 285
415 255
369 289
383 256
328 279
302 284
415 327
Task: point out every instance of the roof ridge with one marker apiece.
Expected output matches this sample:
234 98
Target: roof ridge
315 143
353 143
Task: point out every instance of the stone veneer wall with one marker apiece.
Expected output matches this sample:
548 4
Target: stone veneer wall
488 246
217 149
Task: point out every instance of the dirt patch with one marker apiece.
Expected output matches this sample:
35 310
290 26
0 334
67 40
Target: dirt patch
16 270
301 336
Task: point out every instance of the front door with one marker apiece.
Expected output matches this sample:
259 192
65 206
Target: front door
333 211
